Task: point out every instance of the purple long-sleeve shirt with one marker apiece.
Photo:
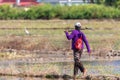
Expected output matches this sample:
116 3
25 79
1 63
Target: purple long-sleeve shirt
75 34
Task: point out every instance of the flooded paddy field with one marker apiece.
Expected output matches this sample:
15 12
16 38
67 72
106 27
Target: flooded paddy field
15 44
57 70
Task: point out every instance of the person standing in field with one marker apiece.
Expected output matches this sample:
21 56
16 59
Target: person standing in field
74 36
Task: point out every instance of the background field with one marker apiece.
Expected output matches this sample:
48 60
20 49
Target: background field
104 35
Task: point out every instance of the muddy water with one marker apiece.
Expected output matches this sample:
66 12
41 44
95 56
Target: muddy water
61 68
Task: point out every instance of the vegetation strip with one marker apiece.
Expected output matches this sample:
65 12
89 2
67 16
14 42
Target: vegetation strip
33 75
55 76
47 11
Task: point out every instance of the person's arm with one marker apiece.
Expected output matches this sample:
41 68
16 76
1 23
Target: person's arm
86 43
69 36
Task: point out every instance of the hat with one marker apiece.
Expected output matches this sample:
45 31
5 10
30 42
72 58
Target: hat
77 24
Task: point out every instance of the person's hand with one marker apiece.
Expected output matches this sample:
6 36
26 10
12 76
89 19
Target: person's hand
89 54
89 51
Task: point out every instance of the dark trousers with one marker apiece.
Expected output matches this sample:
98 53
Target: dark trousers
77 63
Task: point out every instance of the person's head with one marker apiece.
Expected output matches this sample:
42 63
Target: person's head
77 25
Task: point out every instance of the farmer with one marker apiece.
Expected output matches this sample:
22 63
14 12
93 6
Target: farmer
75 34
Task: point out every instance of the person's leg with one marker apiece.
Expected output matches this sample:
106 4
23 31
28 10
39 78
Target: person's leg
78 64
75 64
75 71
84 72
81 67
